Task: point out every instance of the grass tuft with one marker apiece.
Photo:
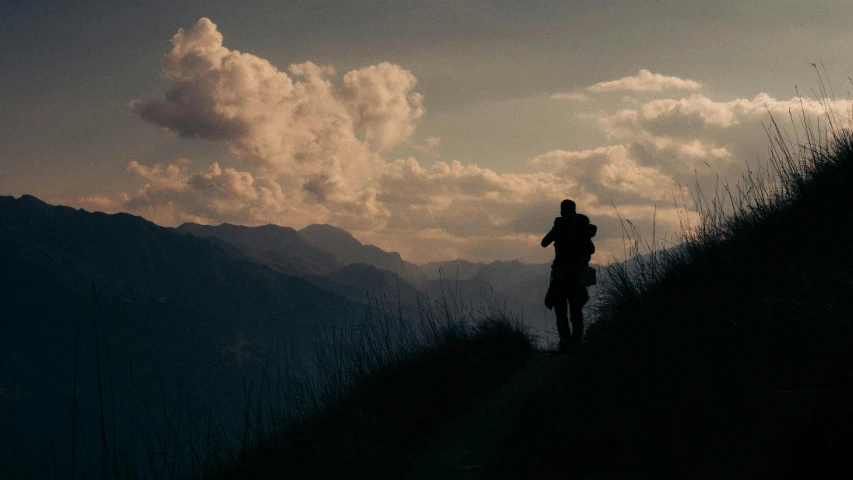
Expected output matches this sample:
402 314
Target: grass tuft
385 384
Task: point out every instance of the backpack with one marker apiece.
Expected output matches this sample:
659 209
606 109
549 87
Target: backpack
575 235
590 232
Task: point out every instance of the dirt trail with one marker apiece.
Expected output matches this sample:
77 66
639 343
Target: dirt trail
468 444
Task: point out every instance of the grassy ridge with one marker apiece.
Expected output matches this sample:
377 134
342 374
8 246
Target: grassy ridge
728 357
382 394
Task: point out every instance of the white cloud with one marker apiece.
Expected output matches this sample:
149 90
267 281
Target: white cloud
682 135
465 200
645 81
297 128
172 194
610 171
380 101
212 195
571 96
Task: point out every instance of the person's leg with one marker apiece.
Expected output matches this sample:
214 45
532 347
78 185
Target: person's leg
562 311
577 300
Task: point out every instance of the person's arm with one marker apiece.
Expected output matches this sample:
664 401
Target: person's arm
549 237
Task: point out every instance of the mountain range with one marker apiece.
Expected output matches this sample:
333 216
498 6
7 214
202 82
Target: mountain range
333 259
194 308
170 312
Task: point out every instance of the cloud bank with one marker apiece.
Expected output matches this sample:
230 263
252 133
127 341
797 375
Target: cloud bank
309 146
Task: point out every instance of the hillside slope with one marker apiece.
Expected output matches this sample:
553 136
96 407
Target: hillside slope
735 360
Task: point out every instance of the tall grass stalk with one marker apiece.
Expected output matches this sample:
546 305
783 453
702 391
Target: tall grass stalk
328 399
74 402
799 163
105 468
347 407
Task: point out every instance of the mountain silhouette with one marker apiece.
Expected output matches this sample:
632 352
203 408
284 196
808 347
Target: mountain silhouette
329 257
507 276
281 248
176 310
285 250
452 269
348 250
369 279
521 285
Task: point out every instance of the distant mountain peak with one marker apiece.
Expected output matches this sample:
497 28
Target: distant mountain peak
329 233
29 201
348 250
281 248
29 198
506 262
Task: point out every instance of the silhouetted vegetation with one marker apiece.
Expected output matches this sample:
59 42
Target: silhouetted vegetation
728 356
383 387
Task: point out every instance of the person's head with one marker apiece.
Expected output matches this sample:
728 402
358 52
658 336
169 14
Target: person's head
567 207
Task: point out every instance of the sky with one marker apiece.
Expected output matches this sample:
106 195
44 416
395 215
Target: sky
440 129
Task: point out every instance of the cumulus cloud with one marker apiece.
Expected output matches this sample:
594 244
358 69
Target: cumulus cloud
683 135
380 102
702 111
297 127
465 200
172 191
611 172
505 212
473 205
173 194
646 81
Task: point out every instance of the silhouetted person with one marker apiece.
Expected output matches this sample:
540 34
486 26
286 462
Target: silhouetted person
572 237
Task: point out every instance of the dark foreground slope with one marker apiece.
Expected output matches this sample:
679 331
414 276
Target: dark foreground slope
734 361
392 396
177 313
